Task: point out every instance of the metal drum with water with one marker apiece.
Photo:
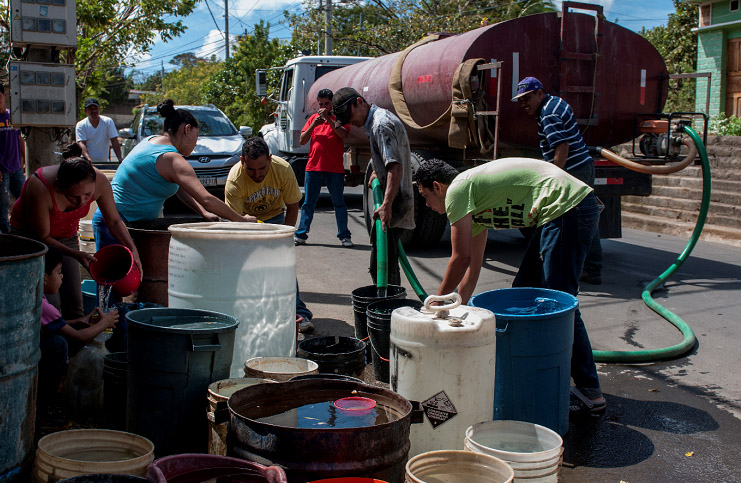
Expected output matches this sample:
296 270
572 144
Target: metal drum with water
247 270
443 357
307 427
22 282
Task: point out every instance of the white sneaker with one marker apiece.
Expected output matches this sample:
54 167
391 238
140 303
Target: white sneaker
347 243
299 241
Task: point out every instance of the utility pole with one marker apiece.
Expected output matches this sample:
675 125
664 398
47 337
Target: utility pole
328 29
319 41
226 25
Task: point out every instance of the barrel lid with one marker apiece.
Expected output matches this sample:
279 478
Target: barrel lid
184 321
210 230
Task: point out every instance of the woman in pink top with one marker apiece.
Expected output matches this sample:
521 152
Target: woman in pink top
49 209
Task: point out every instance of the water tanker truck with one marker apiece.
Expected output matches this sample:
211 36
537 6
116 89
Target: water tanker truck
453 93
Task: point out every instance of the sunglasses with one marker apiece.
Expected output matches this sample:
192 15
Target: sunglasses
337 110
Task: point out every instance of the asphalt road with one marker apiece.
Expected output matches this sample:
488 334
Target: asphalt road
668 421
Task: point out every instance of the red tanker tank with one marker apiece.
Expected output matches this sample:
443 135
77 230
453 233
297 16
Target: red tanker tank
629 78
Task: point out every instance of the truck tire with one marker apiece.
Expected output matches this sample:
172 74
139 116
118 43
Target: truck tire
429 226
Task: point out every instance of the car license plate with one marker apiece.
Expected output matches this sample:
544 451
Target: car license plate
209 181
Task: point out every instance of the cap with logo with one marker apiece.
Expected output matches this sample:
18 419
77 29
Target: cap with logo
526 85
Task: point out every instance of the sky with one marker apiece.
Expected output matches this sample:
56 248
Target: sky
205 33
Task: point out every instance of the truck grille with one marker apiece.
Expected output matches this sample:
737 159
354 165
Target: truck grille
216 172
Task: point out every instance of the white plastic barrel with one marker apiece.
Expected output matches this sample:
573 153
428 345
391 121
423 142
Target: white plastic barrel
533 451
247 270
444 358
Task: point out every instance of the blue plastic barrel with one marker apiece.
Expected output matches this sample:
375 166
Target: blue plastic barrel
89 295
174 354
535 333
22 282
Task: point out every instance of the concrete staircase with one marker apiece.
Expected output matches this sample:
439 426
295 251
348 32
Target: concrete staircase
674 205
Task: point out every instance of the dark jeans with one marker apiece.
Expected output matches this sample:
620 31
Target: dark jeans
52 367
554 259
312 187
12 183
301 308
593 263
392 237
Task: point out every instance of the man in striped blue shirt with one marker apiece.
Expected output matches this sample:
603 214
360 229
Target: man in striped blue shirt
562 144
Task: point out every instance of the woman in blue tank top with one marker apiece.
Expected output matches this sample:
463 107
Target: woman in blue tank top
157 169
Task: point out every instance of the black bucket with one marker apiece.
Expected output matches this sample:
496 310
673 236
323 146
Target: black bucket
361 298
115 384
334 354
379 332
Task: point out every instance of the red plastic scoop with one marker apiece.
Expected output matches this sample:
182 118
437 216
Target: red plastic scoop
355 405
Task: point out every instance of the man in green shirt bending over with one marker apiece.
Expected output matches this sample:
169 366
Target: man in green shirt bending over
520 193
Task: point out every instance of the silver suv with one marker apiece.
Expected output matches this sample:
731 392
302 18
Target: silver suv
219 142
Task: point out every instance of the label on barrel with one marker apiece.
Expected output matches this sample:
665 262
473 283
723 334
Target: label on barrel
439 408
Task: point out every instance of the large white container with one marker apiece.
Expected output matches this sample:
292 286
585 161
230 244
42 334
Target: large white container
444 358
247 270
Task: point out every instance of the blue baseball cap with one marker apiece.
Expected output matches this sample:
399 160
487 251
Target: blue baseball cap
528 84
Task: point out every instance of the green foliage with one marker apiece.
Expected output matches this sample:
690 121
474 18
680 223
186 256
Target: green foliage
378 28
151 83
677 44
110 31
185 85
725 126
232 87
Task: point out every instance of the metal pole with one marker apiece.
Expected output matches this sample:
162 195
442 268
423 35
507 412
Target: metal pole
328 29
319 41
226 26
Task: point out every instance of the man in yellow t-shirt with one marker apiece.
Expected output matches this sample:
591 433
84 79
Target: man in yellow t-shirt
261 185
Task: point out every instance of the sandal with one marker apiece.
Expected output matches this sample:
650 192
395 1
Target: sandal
581 404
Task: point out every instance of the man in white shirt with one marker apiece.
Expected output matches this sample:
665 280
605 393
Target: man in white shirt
96 133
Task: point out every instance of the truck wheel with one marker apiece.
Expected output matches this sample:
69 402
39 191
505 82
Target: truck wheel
430 226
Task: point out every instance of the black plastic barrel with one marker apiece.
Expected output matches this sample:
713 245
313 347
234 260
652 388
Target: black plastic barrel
334 354
361 298
22 282
379 332
120 338
174 354
115 383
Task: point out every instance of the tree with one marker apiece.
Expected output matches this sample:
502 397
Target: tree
184 85
232 86
110 31
677 44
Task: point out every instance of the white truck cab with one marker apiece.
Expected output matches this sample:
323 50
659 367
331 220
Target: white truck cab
298 75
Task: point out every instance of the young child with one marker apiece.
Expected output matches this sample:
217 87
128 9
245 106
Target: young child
58 334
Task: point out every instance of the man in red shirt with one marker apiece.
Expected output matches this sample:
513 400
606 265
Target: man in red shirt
327 137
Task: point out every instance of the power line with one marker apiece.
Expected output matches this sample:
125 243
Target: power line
214 19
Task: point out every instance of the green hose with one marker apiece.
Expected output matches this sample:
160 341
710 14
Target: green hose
689 337
413 281
381 246
382 252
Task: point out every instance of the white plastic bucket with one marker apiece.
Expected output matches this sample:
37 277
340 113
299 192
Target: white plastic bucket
452 466
533 451
280 369
86 451
247 270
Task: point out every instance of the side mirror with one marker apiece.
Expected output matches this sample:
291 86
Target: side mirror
261 83
126 133
245 131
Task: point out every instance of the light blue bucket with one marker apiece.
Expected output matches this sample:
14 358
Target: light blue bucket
89 296
535 333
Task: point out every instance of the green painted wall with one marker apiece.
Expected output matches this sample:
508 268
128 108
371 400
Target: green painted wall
721 13
711 58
